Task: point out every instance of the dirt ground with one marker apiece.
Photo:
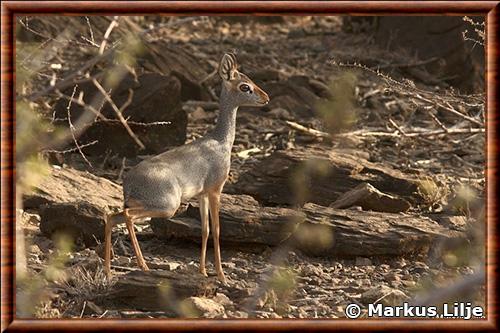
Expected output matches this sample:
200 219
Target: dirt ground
322 74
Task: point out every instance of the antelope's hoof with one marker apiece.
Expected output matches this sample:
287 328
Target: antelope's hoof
222 279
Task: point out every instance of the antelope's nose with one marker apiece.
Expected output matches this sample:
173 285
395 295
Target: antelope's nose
266 99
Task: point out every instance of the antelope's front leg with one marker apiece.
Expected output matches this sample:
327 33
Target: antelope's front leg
205 230
214 202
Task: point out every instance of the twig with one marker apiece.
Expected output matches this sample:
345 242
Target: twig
364 133
83 309
393 123
410 89
91 31
414 133
89 41
70 150
136 123
103 314
449 109
113 24
118 113
310 131
80 102
128 101
440 124
122 168
209 76
72 128
69 80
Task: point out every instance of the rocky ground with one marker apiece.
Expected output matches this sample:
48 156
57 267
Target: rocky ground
370 206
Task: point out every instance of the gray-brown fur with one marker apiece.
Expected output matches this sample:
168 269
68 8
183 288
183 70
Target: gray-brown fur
156 187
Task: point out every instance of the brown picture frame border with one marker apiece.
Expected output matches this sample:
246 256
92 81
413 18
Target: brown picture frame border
9 9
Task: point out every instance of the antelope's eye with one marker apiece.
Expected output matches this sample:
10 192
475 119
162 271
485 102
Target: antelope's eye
245 88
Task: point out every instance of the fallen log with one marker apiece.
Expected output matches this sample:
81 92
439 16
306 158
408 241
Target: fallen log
157 290
65 185
74 202
242 221
340 232
319 175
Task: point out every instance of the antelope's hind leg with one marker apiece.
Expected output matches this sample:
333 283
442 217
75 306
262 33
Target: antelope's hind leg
133 215
111 221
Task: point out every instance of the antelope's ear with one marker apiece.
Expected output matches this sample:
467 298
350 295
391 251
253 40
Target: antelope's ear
228 69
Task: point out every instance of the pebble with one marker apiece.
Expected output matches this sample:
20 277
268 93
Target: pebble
409 283
204 307
223 299
385 295
392 276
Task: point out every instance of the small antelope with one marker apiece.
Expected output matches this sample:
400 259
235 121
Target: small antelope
156 187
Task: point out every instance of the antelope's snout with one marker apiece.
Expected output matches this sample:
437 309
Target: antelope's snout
264 98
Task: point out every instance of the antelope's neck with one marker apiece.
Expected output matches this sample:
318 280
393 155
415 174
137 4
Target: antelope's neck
225 128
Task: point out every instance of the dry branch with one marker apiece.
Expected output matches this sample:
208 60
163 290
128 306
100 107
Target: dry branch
113 24
72 129
310 131
71 149
70 79
415 133
118 112
396 133
449 109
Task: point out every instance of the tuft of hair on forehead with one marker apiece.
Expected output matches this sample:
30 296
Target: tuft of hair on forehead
228 66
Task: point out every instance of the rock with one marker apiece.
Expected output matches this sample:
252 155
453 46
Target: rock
312 270
242 221
34 249
157 290
360 261
328 231
155 98
223 300
160 56
29 218
74 202
419 267
280 113
295 94
369 198
392 276
385 295
320 176
79 220
409 283
237 314
458 61
204 307
456 222
65 185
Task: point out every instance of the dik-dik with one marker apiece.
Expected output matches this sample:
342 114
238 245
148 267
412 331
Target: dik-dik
157 186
